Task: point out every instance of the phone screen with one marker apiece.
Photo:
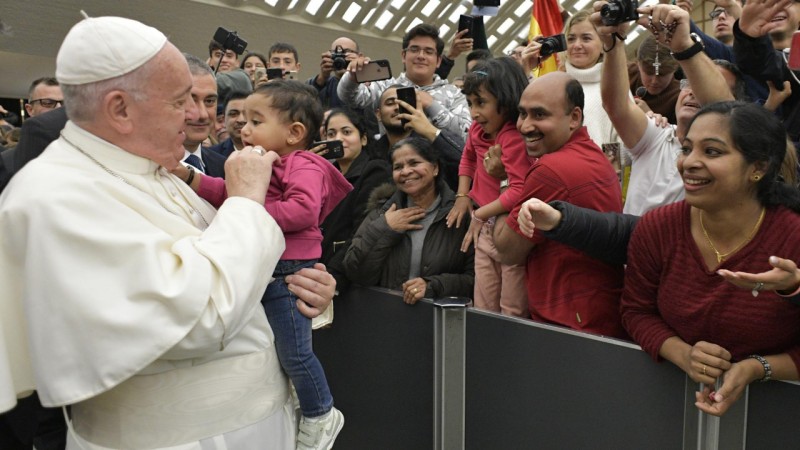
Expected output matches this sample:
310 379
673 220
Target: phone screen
408 95
274 73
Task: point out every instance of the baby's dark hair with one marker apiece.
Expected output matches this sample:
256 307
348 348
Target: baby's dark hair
502 77
297 102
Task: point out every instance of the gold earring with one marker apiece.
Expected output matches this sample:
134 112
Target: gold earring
756 177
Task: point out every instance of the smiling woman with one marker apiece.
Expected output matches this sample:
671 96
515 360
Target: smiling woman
584 62
404 243
675 303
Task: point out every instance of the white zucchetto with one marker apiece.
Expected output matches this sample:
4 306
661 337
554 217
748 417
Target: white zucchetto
100 48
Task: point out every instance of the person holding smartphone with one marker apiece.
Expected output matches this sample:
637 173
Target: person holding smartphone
332 66
443 104
401 120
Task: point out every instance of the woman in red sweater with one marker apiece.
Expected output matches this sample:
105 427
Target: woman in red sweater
737 214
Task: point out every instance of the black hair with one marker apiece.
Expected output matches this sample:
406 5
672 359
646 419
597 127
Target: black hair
234 95
283 47
355 118
738 87
296 102
423 147
760 137
214 45
480 54
424 30
257 55
47 81
502 77
574 94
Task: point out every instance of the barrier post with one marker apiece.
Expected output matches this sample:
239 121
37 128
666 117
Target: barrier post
706 432
449 329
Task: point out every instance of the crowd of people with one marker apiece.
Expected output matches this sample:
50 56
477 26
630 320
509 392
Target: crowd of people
220 206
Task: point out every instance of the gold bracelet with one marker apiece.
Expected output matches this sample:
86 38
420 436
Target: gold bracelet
462 195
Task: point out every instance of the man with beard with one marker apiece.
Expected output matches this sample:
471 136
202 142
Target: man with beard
392 117
234 122
204 96
444 104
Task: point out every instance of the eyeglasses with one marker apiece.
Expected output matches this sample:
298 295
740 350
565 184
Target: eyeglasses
716 13
415 50
48 103
685 84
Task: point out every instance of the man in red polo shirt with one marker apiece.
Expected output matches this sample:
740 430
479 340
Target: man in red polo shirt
565 287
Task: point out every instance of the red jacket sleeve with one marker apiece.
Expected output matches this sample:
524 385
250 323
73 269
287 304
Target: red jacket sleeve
469 162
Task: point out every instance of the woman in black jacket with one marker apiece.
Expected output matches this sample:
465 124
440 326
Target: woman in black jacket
363 173
404 243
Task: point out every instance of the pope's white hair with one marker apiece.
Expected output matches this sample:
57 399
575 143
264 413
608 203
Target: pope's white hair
84 101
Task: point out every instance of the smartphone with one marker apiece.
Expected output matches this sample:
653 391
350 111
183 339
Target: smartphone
260 73
408 95
289 74
374 71
275 73
335 149
794 53
466 22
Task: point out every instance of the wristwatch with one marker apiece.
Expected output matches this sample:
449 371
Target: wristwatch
691 51
504 184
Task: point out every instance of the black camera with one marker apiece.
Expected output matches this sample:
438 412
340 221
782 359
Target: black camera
552 44
339 58
229 40
616 12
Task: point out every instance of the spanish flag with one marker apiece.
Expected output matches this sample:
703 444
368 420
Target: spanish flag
546 21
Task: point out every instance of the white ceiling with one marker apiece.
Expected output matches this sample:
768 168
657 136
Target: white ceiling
31 31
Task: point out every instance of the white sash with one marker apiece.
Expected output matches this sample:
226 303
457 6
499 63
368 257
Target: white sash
184 405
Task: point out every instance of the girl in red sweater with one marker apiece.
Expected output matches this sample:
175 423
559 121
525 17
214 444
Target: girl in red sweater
493 90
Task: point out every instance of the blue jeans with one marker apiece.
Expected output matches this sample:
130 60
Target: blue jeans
293 341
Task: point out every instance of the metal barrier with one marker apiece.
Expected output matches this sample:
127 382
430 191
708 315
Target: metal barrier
440 375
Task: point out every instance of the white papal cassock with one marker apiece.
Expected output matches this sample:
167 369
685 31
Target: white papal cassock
120 300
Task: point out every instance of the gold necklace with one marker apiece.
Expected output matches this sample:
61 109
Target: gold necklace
720 256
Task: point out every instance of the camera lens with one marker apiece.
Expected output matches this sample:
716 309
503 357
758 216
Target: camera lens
610 13
339 63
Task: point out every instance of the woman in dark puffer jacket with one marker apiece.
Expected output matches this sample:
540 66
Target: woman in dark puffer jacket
404 242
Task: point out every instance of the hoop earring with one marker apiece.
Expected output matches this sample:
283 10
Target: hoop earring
756 177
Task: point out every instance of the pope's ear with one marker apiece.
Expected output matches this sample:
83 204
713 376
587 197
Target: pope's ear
116 107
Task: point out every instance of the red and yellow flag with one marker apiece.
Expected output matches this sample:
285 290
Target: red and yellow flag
546 21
